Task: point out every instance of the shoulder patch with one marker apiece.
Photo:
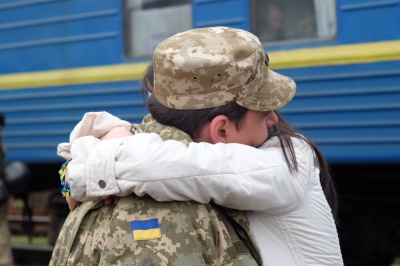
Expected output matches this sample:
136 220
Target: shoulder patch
145 229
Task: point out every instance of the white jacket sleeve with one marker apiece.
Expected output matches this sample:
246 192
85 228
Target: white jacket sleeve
232 175
94 124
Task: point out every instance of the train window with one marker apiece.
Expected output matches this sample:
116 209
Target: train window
294 20
148 22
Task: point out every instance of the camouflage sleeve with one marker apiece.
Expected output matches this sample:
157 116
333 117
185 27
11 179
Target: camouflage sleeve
71 240
142 231
6 257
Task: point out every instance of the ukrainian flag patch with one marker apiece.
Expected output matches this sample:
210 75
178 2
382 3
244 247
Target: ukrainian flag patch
146 229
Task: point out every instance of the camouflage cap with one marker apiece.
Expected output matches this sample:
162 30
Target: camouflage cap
210 67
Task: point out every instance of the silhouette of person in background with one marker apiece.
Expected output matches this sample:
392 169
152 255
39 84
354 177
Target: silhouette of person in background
6 257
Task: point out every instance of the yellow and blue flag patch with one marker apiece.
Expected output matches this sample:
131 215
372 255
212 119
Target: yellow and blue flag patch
146 229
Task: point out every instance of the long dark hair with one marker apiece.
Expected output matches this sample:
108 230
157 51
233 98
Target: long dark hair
147 84
282 130
193 121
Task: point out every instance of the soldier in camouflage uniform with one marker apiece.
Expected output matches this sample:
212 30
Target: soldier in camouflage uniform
6 258
191 233
198 69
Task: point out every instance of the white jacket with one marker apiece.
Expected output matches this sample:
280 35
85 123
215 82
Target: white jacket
288 213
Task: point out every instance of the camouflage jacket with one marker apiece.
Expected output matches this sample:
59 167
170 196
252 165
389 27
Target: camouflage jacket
182 233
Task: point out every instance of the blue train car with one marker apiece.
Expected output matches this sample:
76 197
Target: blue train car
62 58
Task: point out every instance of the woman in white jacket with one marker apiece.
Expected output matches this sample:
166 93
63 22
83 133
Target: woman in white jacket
284 186
291 220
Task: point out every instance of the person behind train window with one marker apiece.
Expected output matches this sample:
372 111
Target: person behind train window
6 257
278 194
272 16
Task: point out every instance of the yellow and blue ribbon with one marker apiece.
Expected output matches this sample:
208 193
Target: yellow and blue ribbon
66 189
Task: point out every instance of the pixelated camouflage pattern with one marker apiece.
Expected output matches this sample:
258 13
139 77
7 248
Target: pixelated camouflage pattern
210 67
168 132
165 132
192 233
6 258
